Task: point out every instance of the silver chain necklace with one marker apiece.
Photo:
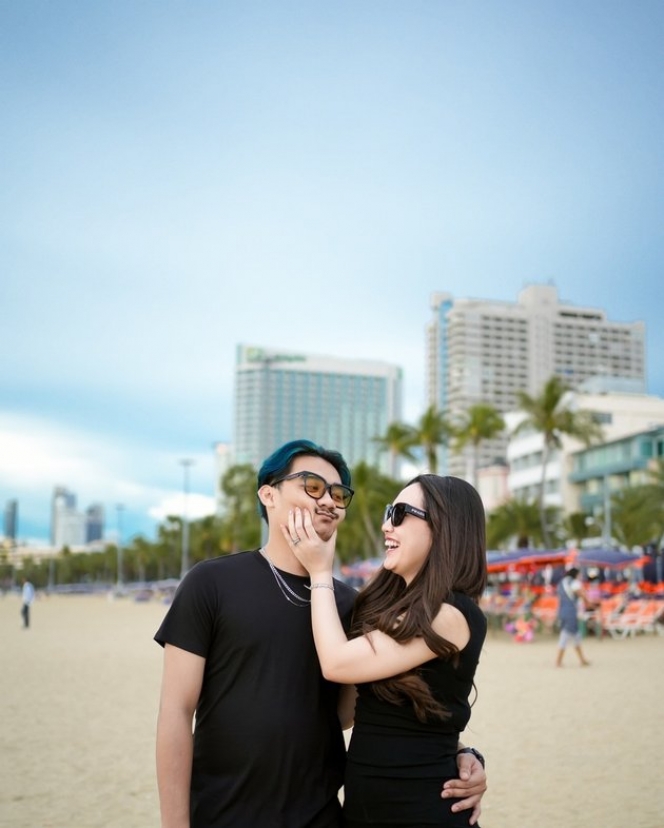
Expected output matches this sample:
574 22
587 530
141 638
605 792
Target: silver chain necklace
286 591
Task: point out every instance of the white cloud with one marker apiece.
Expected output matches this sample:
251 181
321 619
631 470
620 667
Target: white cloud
196 506
32 450
37 454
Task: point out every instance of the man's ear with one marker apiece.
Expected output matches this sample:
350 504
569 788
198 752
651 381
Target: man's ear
266 496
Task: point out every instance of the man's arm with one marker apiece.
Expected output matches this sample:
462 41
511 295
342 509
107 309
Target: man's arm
180 689
469 788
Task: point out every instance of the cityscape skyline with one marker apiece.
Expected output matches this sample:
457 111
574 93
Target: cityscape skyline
195 504
305 177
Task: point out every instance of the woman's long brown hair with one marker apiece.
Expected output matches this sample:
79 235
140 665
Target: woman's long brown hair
456 563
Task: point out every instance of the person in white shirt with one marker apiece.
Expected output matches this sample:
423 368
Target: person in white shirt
27 597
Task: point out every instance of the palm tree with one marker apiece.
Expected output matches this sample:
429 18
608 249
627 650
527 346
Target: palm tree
578 525
206 538
241 524
656 489
636 516
550 415
518 519
168 551
479 423
359 534
399 440
432 430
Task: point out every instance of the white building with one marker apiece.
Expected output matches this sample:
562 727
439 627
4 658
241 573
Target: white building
492 485
486 351
620 415
68 525
342 404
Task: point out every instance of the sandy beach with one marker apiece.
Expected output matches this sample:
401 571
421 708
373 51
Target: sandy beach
571 747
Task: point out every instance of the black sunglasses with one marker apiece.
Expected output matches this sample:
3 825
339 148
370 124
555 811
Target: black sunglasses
316 486
397 512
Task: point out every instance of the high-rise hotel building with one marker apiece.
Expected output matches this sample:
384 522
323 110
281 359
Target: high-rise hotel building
71 527
341 404
485 351
67 523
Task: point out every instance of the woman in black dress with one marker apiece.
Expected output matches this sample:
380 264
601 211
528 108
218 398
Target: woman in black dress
415 643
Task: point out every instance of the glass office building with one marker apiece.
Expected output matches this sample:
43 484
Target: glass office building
339 403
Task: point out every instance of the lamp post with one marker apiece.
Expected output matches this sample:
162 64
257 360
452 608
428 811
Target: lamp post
119 509
606 526
51 571
184 563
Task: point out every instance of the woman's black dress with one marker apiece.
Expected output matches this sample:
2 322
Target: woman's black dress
397 764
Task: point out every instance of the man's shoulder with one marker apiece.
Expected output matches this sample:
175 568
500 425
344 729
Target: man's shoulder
233 560
344 589
221 568
345 596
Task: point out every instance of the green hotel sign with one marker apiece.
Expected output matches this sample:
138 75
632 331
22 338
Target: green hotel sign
259 355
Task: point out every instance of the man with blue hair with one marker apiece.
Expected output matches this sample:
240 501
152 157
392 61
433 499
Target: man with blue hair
267 750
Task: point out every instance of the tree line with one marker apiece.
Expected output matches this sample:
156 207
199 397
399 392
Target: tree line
637 513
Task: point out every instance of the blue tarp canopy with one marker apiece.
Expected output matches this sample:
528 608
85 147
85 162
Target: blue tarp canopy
528 559
532 559
607 557
524 559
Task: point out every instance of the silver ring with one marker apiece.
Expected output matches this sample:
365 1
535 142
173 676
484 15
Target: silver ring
295 541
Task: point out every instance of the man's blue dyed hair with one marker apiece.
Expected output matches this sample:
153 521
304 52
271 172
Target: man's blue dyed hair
278 464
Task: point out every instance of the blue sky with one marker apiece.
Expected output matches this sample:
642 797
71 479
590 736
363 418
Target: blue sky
176 178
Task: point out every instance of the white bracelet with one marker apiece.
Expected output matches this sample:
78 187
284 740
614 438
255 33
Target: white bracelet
322 586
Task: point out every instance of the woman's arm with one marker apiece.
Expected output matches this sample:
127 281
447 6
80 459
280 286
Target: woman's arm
370 657
373 656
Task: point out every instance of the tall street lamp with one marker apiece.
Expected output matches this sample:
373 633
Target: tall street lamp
606 527
119 509
184 564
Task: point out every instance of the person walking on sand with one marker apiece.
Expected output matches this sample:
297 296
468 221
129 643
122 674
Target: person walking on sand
414 646
570 593
267 749
27 597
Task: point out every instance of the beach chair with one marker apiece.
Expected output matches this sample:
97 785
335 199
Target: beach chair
622 624
652 616
545 610
640 615
659 618
608 609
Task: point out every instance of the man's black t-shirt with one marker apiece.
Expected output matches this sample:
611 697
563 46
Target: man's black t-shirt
268 747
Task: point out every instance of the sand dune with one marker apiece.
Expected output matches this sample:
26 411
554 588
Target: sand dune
573 747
